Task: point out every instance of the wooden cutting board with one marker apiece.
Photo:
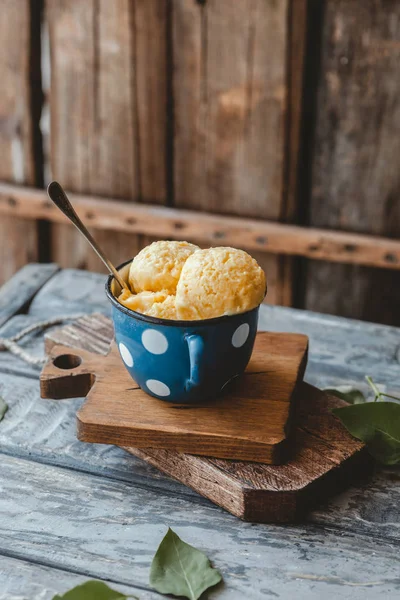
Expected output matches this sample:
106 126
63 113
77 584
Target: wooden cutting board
251 420
325 457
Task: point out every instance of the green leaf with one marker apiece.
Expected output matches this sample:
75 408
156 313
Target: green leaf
385 448
3 408
92 590
378 425
181 569
347 393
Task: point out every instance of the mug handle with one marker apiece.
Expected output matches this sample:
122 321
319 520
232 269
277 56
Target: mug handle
196 355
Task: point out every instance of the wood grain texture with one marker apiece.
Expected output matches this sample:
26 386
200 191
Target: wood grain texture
110 529
296 56
207 229
16 294
93 123
151 71
323 455
114 145
232 118
355 178
279 271
23 580
18 236
328 557
229 117
250 422
69 292
71 39
124 509
116 140
324 460
45 431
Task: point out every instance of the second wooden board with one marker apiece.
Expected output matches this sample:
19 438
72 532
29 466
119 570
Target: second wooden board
250 421
325 457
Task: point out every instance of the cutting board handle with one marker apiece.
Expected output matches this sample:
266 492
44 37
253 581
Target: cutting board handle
68 373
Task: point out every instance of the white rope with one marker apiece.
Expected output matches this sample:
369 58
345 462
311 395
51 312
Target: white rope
11 345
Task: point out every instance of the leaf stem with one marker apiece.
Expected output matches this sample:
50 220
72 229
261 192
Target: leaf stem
390 396
378 394
374 388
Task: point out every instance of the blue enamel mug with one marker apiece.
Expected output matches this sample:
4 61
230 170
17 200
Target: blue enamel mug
181 361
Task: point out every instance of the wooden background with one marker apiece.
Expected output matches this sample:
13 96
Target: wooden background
271 110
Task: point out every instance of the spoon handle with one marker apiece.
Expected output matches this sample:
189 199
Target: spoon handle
60 199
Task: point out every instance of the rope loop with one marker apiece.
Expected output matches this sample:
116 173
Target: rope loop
10 344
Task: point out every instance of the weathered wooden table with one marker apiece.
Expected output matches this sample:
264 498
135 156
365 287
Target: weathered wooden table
72 511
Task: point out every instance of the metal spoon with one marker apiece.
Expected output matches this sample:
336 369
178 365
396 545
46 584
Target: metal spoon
60 199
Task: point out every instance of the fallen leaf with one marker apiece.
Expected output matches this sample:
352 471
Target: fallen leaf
181 569
378 425
347 393
92 590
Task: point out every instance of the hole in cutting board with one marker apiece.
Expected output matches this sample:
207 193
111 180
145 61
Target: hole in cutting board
67 361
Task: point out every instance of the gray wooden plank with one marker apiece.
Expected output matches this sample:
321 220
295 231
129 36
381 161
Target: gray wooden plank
21 580
31 430
98 527
45 431
69 292
16 440
341 351
372 507
20 289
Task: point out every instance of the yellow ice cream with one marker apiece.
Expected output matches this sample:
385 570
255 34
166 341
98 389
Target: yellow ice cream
155 304
143 301
177 280
219 281
164 310
158 267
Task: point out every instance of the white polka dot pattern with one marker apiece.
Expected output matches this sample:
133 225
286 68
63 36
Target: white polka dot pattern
126 355
240 336
154 341
158 387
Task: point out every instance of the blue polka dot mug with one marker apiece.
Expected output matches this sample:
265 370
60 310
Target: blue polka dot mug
181 361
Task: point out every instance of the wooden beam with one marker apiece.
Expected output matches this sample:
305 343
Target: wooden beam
165 223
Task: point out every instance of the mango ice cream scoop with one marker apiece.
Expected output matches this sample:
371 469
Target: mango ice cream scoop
157 267
178 281
219 281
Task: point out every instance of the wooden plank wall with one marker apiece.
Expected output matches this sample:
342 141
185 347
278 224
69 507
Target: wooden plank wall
355 162
181 103
17 163
197 104
107 109
232 82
